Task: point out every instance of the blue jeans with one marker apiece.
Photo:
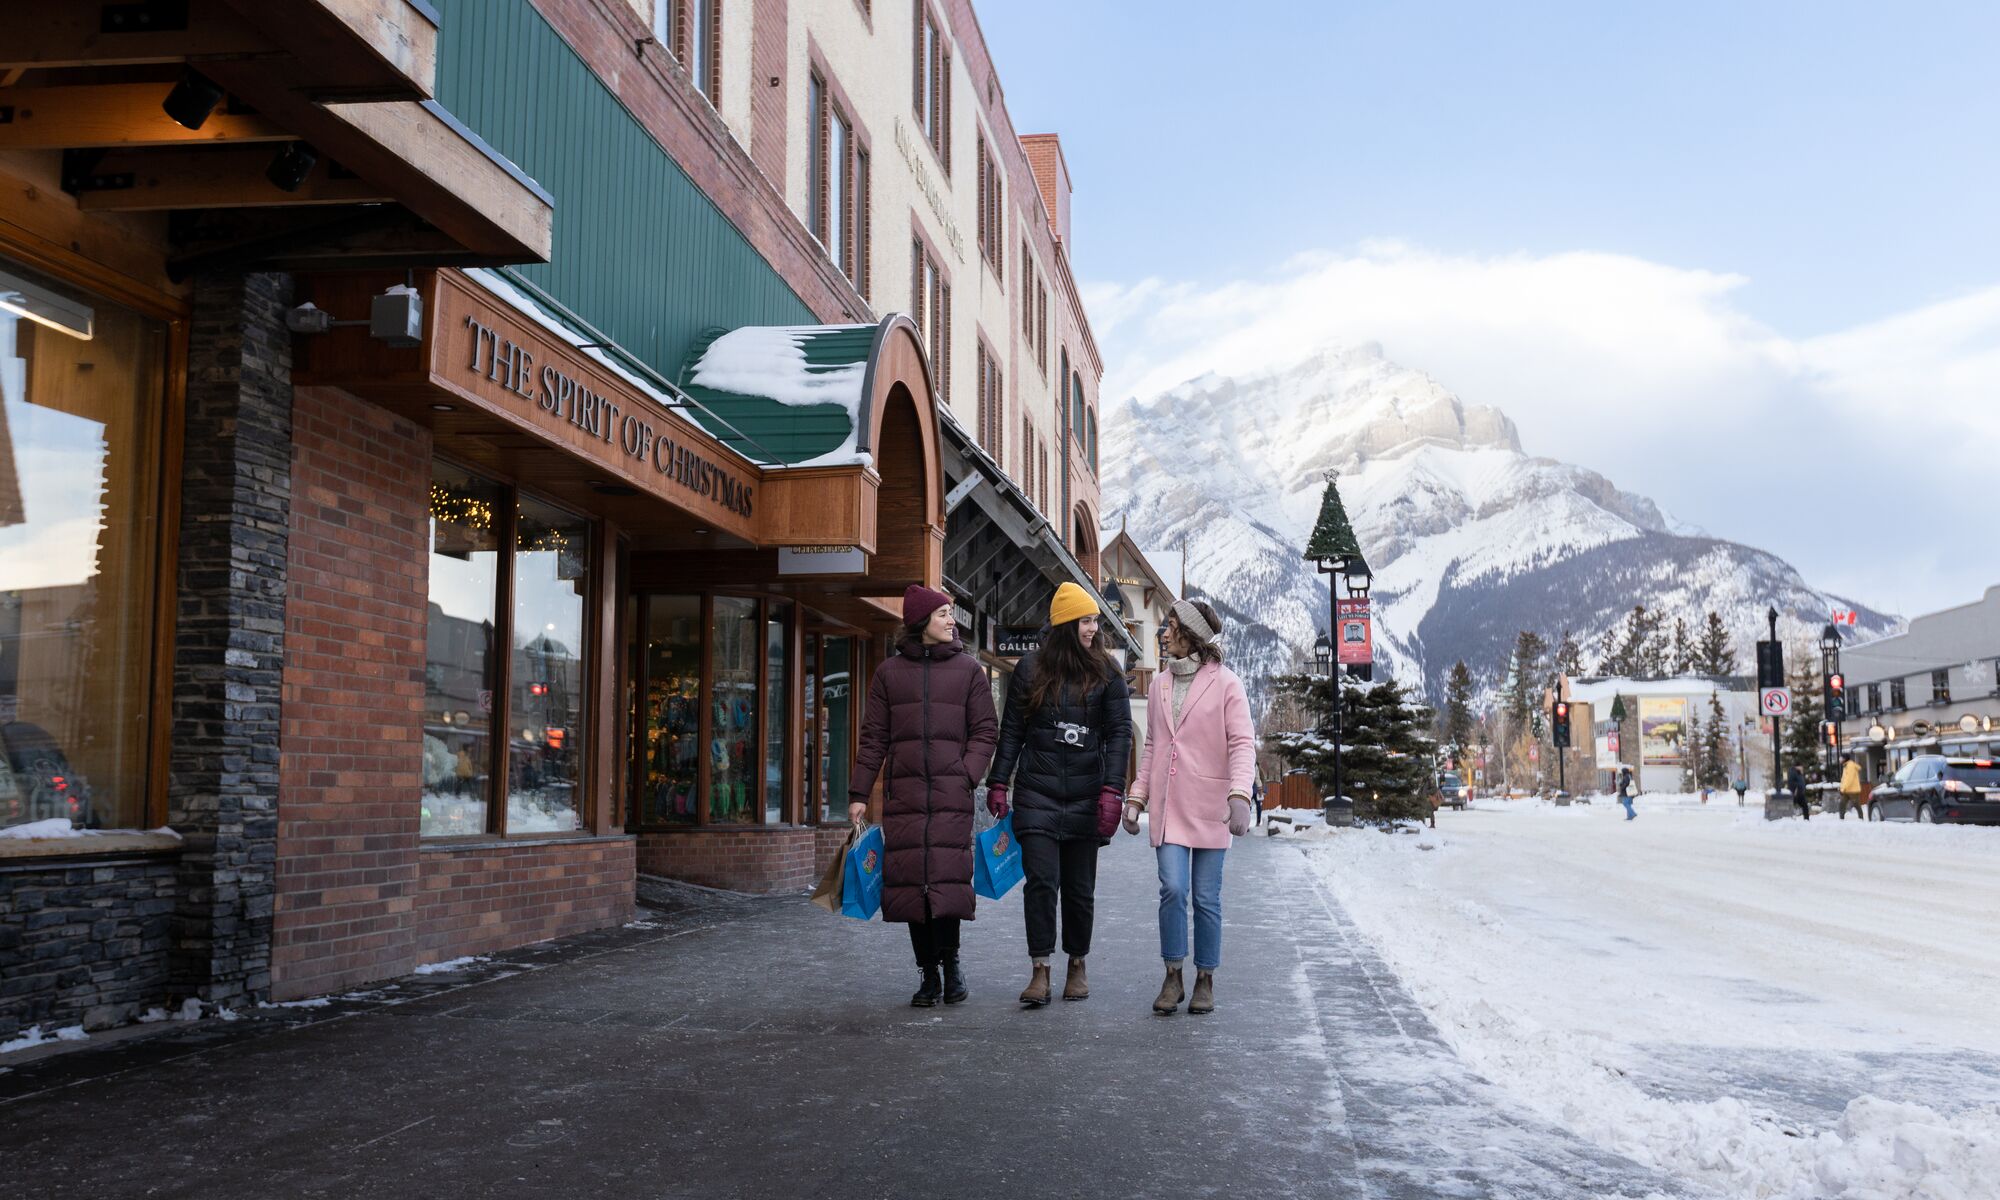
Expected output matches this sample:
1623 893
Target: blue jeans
1627 802
1182 870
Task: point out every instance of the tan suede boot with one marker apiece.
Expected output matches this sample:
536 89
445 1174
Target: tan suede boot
1203 1000
1037 992
1075 986
1170 993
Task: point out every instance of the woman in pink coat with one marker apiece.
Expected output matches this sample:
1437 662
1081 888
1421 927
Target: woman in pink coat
1195 776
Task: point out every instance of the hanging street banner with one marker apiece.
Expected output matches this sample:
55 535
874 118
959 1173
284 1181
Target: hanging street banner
1357 643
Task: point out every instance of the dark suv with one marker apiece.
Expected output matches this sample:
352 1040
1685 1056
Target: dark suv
1934 789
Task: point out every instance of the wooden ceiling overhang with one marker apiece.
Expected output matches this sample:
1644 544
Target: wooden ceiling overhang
379 173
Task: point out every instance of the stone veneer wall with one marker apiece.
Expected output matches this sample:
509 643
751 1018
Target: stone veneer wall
83 943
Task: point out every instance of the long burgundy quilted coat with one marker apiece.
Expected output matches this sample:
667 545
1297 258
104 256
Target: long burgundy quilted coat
929 729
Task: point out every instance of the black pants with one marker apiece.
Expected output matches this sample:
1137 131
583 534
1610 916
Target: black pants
934 940
1071 868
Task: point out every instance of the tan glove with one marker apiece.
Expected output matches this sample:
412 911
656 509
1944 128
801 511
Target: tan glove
1239 814
1132 810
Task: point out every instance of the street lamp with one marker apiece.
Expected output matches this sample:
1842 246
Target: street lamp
1335 550
1322 664
1830 695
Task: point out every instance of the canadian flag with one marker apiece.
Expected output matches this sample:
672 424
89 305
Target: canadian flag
1845 616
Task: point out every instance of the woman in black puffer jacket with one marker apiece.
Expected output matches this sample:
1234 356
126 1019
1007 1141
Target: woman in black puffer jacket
1065 742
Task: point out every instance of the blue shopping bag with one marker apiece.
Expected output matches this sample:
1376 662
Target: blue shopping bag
861 884
996 866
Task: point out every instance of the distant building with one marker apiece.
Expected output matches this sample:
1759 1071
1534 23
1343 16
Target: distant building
1932 690
1653 738
1140 593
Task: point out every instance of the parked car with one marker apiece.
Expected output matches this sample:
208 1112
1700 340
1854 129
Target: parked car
1453 790
1934 789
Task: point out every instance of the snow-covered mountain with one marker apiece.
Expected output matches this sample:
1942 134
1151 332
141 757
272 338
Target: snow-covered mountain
1470 538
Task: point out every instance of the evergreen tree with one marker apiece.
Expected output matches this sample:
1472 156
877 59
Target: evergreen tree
1569 654
1715 744
1636 649
1680 659
1713 654
1800 737
1387 762
1457 725
1524 678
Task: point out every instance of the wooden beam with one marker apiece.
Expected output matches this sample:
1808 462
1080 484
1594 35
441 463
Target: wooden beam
43 35
229 177
352 49
116 114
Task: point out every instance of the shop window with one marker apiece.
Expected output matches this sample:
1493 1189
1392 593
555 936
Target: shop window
673 710
546 750
836 732
459 663
81 389
777 670
521 722
734 745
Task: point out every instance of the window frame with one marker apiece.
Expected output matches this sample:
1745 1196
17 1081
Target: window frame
828 104
677 24
1941 686
930 95
589 655
992 210
930 292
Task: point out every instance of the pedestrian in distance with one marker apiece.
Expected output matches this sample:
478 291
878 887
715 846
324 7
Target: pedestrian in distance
928 731
1850 789
1065 736
1196 775
1795 781
1257 802
1626 788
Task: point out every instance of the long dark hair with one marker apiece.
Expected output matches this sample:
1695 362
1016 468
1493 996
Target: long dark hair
1064 664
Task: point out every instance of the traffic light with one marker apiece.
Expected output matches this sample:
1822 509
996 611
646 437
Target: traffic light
1830 730
1836 696
1560 724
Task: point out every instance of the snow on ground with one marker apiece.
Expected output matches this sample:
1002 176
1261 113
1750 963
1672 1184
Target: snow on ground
450 964
1583 962
35 1037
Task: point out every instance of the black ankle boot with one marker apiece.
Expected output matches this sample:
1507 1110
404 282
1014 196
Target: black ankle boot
927 995
954 982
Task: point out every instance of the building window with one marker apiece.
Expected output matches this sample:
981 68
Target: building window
931 82
80 493
1874 697
837 184
529 729
777 673
1941 687
671 740
1026 471
733 776
715 721
1042 327
1027 295
931 298
1898 699
1042 478
992 212
1091 446
692 31
1076 407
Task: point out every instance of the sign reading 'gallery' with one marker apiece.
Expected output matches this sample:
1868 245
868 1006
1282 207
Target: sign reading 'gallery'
562 396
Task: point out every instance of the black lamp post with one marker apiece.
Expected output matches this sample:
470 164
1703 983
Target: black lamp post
1829 667
1335 550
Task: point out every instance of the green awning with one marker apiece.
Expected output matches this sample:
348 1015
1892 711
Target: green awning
786 394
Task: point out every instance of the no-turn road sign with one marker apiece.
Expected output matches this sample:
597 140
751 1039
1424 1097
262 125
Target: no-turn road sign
1774 702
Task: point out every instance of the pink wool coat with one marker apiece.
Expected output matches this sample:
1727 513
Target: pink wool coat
1190 766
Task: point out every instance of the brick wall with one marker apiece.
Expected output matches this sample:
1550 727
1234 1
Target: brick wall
491 897
360 897
83 943
764 862
354 670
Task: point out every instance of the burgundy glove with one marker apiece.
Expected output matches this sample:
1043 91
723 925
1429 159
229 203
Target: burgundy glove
1109 809
996 801
1239 816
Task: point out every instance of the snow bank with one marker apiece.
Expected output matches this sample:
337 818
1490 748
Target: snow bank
451 964
1514 990
60 827
35 1037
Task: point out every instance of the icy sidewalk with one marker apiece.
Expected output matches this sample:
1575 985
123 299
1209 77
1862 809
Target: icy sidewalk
765 1048
1709 993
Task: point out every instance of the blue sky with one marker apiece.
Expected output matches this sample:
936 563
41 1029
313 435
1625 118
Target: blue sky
1804 195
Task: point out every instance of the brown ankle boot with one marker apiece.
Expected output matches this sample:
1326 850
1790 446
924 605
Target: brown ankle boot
1037 992
1170 993
1203 1000
1075 986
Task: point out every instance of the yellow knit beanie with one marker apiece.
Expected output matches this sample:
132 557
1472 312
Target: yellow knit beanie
1072 603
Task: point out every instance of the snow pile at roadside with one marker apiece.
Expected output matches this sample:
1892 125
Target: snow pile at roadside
450 964
60 827
35 1037
1463 963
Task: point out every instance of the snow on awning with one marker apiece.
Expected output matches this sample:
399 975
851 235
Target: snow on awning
798 391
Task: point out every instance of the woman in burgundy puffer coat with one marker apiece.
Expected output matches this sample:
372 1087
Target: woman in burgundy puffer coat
929 724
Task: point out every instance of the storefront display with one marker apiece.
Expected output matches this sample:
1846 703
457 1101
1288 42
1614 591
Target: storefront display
672 710
82 391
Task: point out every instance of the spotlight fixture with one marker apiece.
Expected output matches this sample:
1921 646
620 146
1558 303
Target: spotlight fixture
290 168
444 408
192 99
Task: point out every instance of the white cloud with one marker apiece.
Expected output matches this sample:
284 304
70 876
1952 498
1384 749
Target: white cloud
1865 457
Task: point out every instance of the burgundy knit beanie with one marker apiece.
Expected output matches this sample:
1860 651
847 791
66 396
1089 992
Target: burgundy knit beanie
919 602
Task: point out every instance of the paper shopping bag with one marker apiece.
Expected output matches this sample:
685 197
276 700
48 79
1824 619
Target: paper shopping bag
827 894
861 884
996 860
